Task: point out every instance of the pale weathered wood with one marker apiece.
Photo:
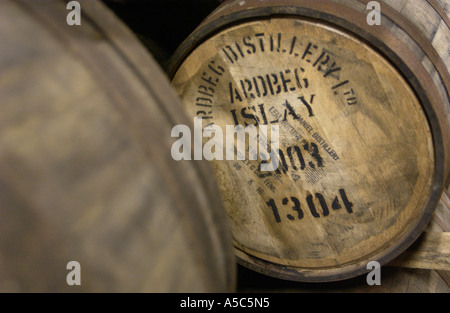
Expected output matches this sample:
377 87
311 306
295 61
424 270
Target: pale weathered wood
441 218
429 19
394 276
377 137
85 168
431 251
441 223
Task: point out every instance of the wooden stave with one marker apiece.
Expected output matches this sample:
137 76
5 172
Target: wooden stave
203 222
233 12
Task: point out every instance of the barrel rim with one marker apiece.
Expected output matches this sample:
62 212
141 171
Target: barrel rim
211 27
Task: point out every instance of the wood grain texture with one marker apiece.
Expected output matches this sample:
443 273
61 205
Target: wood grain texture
379 132
395 276
86 171
440 223
427 35
430 251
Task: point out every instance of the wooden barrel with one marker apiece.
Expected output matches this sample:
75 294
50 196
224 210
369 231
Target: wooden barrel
361 111
86 169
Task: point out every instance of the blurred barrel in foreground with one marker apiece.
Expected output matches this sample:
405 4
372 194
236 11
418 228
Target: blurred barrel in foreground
86 172
364 139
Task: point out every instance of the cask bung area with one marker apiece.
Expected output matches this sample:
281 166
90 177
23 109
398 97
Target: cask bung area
364 138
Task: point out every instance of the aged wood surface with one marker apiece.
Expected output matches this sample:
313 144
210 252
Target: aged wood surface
86 173
395 276
430 26
431 251
359 176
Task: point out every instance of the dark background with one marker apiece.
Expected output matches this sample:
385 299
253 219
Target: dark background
162 25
